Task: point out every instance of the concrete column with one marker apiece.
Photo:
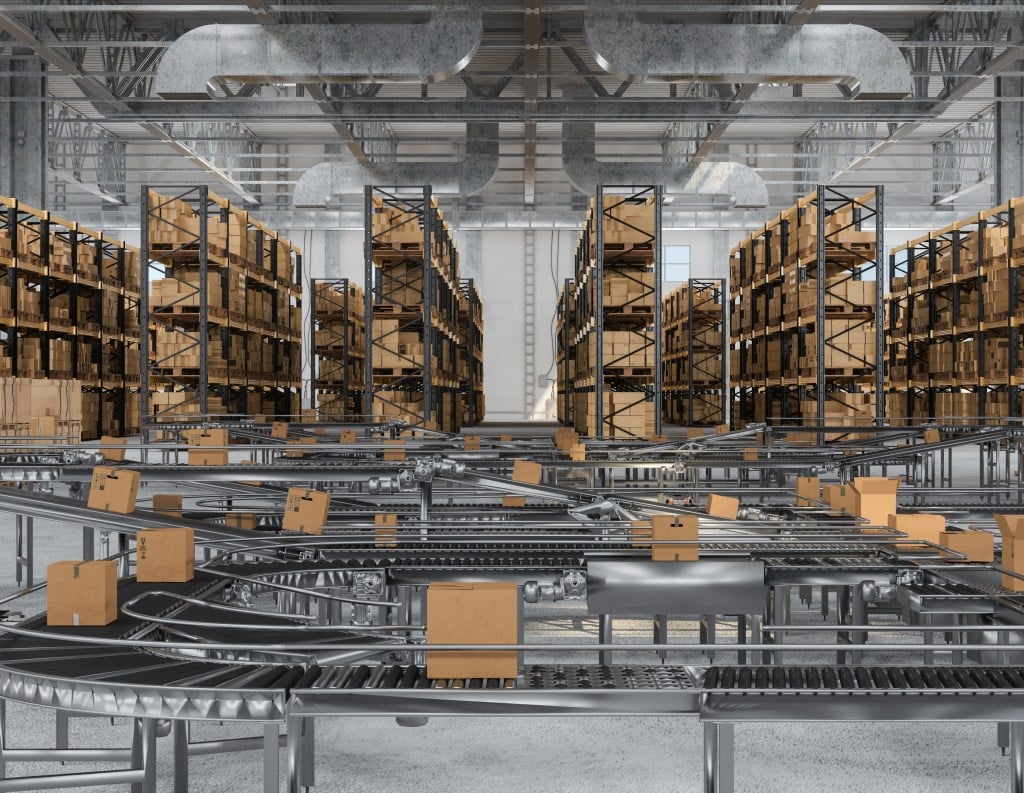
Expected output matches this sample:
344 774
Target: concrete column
332 255
1009 150
23 130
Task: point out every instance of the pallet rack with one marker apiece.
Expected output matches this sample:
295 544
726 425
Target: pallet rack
615 327
224 317
806 313
412 304
565 362
954 313
69 304
471 353
338 341
695 348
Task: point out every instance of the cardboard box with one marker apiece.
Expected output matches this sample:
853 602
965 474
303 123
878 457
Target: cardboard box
694 432
385 530
81 593
807 487
750 454
165 555
241 520
306 510
578 452
349 436
472 613
200 440
919 525
514 502
931 436
116 455
113 489
471 443
395 451
674 527
641 533
527 472
978 545
167 504
874 497
279 429
1012 529
722 429
839 497
505 438
723 507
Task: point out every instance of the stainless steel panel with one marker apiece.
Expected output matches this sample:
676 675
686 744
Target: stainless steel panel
625 587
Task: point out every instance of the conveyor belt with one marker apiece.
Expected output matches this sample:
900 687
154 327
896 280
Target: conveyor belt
862 678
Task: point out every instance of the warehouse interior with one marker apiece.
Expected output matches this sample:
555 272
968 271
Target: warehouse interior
373 373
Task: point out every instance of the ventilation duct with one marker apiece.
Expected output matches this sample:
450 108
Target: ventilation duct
862 60
322 183
427 52
740 184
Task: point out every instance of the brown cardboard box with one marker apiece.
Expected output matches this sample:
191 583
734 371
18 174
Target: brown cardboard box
641 533
349 436
279 429
395 452
750 454
874 497
200 440
838 497
165 555
480 613
81 593
167 504
565 438
505 438
117 455
306 510
694 432
240 520
979 546
113 489
807 487
722 429
723 506
918 525
578 452
514 502
527 472
471 442
931 436
385 530
674 527
1012 529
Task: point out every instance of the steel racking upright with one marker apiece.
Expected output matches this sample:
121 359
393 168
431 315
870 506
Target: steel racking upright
695 349
336 339
564 359
411 307
225 316
616 338
471 352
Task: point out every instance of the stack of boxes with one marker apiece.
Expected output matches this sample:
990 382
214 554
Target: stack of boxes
955 354
405 336
253 310
339 348
776 338
692 354
72 314
612 362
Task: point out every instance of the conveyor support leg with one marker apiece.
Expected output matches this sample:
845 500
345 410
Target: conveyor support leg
718 757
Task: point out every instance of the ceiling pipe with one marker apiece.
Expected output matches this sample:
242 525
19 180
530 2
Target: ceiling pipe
321 184
865 62
739 184
427 52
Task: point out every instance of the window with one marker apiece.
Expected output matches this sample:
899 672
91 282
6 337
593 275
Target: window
676 263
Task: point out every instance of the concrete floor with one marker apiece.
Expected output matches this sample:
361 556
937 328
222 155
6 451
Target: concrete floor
504 755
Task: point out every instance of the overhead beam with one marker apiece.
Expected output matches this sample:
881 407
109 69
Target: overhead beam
106 100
